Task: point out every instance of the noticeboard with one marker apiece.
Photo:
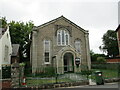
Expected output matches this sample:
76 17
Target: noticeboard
77 60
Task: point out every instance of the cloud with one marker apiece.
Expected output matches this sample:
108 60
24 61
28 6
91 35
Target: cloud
97 16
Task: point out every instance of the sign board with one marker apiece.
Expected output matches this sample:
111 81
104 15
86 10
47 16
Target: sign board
77 61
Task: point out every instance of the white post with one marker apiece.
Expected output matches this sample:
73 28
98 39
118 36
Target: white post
88 50
34 52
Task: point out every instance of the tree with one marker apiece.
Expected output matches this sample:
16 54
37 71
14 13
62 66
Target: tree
110 44
3 22
94 56
20 32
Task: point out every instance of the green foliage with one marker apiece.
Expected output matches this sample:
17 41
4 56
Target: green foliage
101 60
45 72
6 72
110 66
107 73
94 56
20 32
86 72
34 82
3 22
22 64
98 66
28 71
110 44
41 72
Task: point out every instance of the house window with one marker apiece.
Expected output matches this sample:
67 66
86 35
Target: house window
67 39
47 51
78 45
6 56
59 38
62 37
46 56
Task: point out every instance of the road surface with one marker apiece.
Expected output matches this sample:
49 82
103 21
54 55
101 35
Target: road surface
106 86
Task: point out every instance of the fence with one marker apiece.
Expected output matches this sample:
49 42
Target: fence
48 75
12 75
6 71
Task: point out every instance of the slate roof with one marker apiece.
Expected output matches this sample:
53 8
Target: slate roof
118 28
15 49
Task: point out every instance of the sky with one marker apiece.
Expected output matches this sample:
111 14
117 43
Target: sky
96 16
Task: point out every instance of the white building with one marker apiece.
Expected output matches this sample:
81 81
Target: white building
5 47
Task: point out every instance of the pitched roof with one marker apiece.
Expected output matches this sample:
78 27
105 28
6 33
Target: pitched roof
61 17
118 28
15 49
2 31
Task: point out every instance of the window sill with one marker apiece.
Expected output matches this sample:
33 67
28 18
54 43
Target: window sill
47 63
63 45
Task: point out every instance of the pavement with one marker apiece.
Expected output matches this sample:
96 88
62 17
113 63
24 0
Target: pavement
108 86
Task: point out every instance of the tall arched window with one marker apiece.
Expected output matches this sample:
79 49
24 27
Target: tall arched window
62 37
78 45
47 51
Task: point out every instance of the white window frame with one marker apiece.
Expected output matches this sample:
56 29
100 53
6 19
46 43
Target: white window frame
78 41
47 51
65 33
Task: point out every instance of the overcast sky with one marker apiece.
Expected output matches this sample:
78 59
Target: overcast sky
97 16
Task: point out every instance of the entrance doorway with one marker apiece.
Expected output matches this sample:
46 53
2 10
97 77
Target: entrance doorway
68 62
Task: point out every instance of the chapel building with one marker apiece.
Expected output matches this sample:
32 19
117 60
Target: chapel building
62 44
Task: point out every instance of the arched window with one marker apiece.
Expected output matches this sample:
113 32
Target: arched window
62 37
78 45
47 51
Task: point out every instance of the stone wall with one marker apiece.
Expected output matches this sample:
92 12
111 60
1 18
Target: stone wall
48 31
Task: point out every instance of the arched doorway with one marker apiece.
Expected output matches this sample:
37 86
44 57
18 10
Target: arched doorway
68 62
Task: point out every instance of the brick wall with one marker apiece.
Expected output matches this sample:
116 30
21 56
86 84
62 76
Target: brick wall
6 84
113 60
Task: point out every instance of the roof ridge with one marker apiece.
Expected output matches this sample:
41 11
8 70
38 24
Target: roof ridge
51 21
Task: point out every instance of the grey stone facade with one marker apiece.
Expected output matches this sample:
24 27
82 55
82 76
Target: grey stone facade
60 53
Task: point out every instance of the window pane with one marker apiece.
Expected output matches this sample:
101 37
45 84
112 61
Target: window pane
47 50
63 41
62 37
66 39
46 56
59 39
47 45
77 45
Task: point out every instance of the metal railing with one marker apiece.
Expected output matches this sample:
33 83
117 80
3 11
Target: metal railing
48 75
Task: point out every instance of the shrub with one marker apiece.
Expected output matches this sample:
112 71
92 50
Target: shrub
86 72
101 60
98 66
45 72
110 66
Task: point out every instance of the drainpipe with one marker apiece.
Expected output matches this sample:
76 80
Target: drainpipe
87 50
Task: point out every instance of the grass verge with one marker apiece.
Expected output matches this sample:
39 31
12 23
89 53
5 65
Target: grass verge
36 82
